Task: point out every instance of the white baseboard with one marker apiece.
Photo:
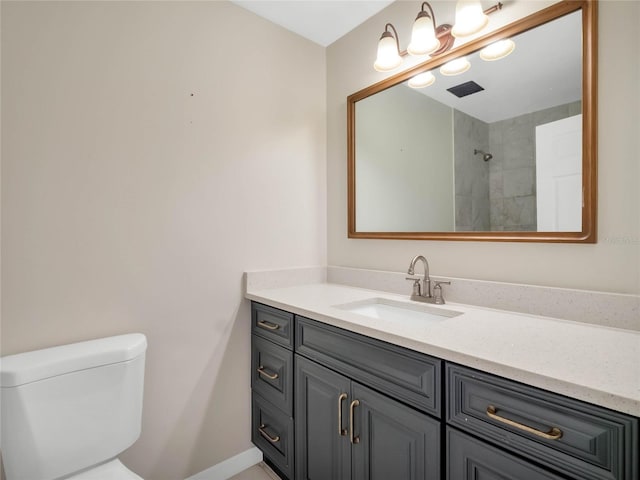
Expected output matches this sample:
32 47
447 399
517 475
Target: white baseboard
231 466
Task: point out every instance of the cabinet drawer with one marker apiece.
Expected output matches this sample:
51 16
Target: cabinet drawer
272 432
471 459
580 440
272 373
271 323
408 376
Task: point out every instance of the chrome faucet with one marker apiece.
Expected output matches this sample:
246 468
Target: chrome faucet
420 292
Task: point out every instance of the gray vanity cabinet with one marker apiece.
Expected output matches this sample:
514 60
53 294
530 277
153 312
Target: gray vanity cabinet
345 406
345 430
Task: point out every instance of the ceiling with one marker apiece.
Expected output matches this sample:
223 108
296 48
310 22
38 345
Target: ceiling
321 21
544 70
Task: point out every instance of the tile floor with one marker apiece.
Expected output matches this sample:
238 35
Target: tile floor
257 472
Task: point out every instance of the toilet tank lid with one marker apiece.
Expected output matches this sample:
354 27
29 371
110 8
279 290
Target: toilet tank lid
37 365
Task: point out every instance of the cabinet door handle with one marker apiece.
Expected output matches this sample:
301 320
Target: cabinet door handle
354 438
268 325
341 431
553 434
275 439
270 376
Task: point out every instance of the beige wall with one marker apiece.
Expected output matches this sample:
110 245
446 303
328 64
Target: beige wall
613 264
151 153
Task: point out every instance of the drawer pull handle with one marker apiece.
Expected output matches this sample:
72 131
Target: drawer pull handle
354 438
341 431
268 325
270 376
553 434
275 439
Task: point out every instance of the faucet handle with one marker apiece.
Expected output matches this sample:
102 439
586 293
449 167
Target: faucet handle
437 292
417 291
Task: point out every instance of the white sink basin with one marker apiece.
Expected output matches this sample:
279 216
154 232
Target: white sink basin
391 310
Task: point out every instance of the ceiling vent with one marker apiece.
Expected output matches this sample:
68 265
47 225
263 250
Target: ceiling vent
465 89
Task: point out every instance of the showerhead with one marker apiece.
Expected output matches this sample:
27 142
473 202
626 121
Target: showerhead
485 156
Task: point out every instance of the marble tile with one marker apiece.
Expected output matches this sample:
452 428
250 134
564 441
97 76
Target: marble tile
496 213
496 189
463 210
463 178
480 182
519 152
519 211
480 215
518 182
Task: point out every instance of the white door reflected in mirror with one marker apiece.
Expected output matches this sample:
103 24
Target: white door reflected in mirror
559 175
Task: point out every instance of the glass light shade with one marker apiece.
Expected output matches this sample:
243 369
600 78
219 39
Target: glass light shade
388 57
497 50
423 37
455 67
422 80
470 18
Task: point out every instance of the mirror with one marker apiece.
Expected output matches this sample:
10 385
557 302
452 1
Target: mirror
514 161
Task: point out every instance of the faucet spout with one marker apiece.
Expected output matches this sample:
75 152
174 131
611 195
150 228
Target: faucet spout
426 282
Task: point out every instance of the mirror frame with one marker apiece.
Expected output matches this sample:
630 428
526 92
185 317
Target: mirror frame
589 129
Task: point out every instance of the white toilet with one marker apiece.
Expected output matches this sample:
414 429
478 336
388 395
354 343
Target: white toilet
69 411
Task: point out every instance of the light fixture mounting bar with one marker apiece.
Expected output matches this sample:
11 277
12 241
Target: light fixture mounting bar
494 8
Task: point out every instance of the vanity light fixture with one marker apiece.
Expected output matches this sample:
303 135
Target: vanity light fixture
497 50
455 67
389 56
422 80
427 38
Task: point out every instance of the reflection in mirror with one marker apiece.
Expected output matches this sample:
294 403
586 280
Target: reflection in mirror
497 148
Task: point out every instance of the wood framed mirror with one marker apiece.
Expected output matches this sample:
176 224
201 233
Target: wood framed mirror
516 161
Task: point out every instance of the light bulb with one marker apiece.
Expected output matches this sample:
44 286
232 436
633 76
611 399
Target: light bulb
455 67
470 18
388 57
423 36
497 50
422 80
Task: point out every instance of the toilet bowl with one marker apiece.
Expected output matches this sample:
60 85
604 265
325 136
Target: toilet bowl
69 411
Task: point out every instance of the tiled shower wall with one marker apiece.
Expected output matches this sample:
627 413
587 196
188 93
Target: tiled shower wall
509 177
471 173
512 171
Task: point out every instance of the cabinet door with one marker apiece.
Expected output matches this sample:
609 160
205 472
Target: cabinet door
393 441
472 459
323 450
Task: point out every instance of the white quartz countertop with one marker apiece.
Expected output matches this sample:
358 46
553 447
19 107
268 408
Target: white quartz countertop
600 365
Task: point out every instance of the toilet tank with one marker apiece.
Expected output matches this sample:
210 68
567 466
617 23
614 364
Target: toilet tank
67 408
